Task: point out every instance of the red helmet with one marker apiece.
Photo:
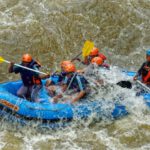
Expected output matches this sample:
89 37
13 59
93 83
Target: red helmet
94 51
102 56
70 68
97 60
27 58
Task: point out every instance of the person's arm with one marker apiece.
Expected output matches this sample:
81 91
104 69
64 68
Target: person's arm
139 72
44 76
48 82
13 68
141 69
78 97
55 99
78 59
10 69
60 95
38 74
86 61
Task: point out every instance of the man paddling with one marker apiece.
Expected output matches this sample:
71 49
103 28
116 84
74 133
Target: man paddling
144 71
31 80
54 87
95 53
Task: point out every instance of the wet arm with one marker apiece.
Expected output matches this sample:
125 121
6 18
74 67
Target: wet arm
139 72
48 82
10 69
44 76
60 95
86 61
13 68
79 96
40 75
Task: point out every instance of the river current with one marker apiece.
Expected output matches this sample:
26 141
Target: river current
54 30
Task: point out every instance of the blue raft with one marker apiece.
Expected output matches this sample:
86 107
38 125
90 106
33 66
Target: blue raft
46 111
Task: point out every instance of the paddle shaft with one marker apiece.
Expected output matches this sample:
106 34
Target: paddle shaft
25 67
76 57
143 85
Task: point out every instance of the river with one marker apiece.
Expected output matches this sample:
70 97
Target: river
54 30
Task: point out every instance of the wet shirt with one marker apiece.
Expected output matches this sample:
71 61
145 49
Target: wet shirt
26 75
76 82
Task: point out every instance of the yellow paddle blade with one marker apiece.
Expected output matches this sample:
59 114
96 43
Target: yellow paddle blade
88 46
1 59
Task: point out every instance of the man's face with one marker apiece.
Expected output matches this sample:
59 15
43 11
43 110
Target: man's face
148 58
25 64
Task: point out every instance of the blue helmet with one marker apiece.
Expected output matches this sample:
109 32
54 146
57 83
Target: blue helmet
148 52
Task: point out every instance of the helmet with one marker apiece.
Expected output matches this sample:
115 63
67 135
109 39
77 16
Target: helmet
70 68
97 60
94 51
148 52
27 58
64 63
102 56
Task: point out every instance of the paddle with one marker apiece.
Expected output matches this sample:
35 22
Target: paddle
143 85
6 61
125 84
76 57
87 47
128 84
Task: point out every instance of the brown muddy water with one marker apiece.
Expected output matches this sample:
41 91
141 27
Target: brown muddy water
54 30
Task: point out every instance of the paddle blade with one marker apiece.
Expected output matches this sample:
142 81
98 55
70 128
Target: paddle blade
125 84
1 59
88 46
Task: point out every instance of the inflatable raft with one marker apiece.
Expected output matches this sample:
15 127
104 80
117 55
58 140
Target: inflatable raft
49 112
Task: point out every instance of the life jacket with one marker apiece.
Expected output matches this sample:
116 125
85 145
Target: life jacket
75 84
28 77
146 77
102 56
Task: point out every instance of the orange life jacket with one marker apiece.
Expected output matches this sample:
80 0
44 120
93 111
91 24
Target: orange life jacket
36 80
